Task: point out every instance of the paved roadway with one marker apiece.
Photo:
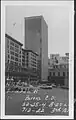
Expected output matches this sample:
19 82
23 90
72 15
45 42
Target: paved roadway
15 101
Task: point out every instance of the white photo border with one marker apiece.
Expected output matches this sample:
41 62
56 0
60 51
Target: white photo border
71 60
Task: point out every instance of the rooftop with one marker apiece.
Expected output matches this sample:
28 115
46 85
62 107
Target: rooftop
8 36
58 69
31 17
27 50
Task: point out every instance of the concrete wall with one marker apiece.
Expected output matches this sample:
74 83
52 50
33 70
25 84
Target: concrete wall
44 49
33 33
36 39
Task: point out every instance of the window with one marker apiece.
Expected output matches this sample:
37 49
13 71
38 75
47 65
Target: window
23 56
17 46
23 60
20 52
11 43
53 73
53 66
63 73
12 57
16 54
19 60
8 61
11 48
23 53
34 65
11 52
16 50
8 56
16 63
58 73
16 59
50 73
23 64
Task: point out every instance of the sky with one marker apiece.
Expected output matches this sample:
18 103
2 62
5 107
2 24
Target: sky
56 16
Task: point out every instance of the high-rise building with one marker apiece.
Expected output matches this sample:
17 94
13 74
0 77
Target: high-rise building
36 39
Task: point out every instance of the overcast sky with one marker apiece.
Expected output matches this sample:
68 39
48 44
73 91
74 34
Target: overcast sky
57 18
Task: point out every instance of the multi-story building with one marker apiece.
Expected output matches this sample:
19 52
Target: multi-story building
12 51
56 59
29 63
20 62
36 39
63 60
59 75
59 69
31 59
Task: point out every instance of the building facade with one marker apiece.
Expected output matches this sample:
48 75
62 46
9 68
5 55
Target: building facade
24 58
36 39
19 62
59 74
56 59
31 59
12 52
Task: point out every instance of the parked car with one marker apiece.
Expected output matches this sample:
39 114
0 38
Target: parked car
46 87
64 87
53 85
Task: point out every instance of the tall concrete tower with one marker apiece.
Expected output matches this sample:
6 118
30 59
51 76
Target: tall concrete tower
36 39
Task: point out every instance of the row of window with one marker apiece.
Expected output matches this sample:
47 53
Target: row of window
13 53
33 62
13 62
14 58
14 44
16 49
33 65
23 56
33 55
60 66
58 74
33 58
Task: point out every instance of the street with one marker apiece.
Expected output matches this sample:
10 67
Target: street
37 103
